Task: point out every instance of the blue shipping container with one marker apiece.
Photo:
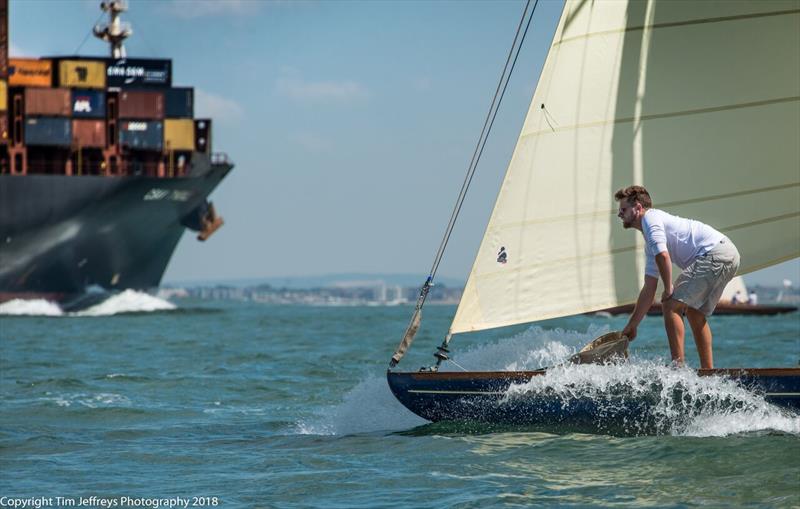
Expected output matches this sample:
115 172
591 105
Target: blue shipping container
179 102
88 103
48 131
142 134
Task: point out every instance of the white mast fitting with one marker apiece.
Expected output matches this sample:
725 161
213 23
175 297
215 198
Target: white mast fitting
115 31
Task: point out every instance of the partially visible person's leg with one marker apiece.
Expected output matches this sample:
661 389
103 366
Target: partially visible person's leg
702 337
673 323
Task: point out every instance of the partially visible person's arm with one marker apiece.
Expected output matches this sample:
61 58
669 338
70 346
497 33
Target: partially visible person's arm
664 264
643 303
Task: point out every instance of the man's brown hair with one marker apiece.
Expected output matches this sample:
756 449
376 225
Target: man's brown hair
634 194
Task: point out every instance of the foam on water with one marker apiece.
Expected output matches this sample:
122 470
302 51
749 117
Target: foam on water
679 402
682 403
369 406
34 307
128 301
531 349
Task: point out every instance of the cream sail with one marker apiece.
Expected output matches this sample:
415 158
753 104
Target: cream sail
697 101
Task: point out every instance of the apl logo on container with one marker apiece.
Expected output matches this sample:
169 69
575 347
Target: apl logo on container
82 104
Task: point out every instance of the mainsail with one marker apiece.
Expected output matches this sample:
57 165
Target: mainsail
697 101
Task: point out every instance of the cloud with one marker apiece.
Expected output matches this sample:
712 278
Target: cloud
320 91
189 9
217 107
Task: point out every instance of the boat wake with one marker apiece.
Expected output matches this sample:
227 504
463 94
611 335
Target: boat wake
367 407
128 301
678 401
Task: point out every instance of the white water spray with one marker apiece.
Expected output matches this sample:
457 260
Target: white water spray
128 301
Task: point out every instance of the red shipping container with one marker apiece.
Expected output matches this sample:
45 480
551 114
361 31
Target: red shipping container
52 102
144 105
89 133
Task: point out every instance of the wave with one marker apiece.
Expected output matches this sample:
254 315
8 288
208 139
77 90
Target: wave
126 302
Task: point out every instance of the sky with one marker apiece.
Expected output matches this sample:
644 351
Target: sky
351 123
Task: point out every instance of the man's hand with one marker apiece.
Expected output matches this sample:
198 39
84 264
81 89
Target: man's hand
629 331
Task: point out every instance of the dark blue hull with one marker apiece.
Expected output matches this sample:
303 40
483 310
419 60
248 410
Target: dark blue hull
60 235
483 397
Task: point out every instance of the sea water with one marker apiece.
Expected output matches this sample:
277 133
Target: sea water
140 402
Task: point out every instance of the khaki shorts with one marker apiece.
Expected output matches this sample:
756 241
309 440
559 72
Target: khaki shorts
700 285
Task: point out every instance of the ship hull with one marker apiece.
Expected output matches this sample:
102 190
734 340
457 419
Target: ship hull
60 235
483 397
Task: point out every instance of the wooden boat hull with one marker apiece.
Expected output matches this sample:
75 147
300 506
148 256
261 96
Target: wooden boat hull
482 397
723 308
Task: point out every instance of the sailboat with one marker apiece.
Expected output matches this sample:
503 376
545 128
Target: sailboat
697 101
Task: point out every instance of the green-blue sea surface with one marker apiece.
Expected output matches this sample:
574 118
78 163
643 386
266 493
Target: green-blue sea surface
287 406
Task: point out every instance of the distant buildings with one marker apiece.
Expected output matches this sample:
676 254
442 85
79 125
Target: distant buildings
363 293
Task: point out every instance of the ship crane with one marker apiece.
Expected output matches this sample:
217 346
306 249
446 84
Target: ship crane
115 31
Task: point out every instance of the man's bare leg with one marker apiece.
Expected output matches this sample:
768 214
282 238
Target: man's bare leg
673 323
702 337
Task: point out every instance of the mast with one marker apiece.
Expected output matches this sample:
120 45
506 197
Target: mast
115 31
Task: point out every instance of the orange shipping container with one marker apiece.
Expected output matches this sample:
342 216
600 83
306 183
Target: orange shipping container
178 134
29 72
89 133
3 95
82 73
55 102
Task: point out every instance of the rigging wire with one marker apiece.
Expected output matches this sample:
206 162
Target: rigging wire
484 136
78 49
499 93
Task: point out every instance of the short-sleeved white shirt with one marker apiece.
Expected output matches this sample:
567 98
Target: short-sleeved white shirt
684 239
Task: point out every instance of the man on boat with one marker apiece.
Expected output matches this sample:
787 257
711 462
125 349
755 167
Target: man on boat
709 260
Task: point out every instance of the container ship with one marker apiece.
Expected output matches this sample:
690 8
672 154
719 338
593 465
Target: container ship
102 167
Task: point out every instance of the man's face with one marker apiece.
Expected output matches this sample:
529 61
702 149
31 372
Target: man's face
629 213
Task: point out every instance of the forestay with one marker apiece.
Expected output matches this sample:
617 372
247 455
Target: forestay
698 101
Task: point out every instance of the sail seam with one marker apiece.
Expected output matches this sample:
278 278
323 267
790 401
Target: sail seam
665 205
637 28
655 116
598 254
761 221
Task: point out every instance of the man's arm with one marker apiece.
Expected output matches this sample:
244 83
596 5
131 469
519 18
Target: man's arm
643 303
664 264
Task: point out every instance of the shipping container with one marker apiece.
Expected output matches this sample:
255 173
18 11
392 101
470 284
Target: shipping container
141 104
179 102
141 135
3 95
178 134
82 73
29 72
89 133
48 101
3 128
4 39
138 72
88 103
48 131
202 135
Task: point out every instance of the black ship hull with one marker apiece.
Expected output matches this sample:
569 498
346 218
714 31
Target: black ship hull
60 235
